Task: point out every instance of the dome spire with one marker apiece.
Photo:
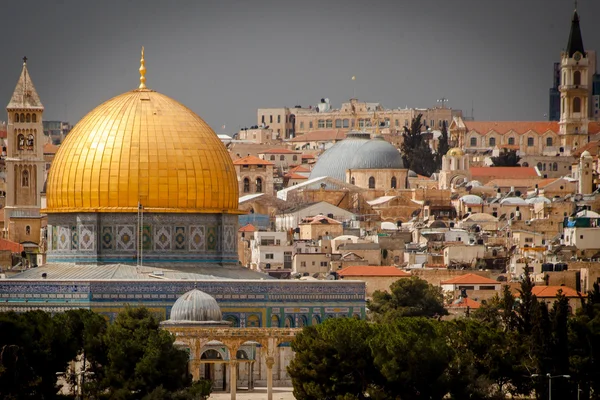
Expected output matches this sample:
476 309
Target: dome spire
142 71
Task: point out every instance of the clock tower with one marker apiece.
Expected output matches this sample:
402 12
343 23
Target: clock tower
576 69
24 165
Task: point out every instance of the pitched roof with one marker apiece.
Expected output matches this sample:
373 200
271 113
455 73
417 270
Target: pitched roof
519 127
471 279
503 172
295 176
319 219
280 151
575 43
550 291
25 95
368 270
308 156
516 182
321 136
247 228
592 147
299 168
14 247
465 302
252 160
50 148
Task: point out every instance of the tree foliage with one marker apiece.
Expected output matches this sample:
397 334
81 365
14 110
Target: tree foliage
507 158
416 153
443 146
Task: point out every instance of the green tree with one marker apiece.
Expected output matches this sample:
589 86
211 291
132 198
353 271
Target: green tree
507 158
443 146
416 153
333 360
408 297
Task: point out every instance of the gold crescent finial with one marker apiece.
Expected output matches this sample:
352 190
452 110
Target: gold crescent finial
142 71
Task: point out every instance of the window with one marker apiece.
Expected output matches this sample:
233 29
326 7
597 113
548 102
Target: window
303 263
338 123
529 141
323 263
281 158
346 123
487 288
393 182
321 123
28 230
269 256
246 185
262 119
549 141
511 141
406 122
576 105
279 119
272 158
28 117
580 236
295 158
270 119
310 124
352 181
576 78
328 124
396 123
30 142
259 185
25 178
371 183
301 124
16 117
20 142
554 167
492 141
473 142
22 117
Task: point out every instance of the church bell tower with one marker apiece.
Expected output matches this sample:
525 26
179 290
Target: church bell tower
24 163
576 69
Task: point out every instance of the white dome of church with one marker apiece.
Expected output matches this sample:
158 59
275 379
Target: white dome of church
513 201
471 199
357 151
196 306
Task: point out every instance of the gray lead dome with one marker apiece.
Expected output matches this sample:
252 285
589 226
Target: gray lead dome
196 306
357 151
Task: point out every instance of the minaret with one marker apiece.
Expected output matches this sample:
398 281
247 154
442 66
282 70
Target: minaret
575 68
586 173
24 162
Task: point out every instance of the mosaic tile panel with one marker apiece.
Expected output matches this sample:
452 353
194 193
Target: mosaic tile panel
108 242
87 237
229 238
125 237
54 240
162 238
64 238
147 237
211 238
180 238
74 238
197 238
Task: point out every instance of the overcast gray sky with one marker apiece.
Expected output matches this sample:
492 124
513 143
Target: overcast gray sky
224 58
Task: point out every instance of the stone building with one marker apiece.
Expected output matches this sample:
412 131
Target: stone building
255 175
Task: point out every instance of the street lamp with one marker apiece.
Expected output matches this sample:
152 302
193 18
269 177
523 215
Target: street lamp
550 381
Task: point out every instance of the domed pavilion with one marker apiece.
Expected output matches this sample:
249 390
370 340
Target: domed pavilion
142 178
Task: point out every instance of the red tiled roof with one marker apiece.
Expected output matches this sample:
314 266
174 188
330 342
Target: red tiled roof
252 160
247 228
14 247
299 168
280 151
464 303
308 156
50 148
471 279
368 270
592 147
545 182
503 172
321 136
295 176
550 291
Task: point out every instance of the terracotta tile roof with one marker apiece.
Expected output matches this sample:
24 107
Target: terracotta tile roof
14 247
294 176
321 136
519 127
592 147
469 279
50 148
545 182
368 270
299 168
280 151
550 291
464 303
247 228
252 160
516 182
503 172
308 156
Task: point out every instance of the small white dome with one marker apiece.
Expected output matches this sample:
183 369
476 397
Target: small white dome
471 199
475 184
513 201
539 199
585 154
196 306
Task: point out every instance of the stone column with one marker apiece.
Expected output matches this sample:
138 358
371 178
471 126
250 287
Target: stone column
270 361
194 368
233 379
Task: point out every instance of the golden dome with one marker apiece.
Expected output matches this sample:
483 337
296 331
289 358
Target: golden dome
143 147
455 152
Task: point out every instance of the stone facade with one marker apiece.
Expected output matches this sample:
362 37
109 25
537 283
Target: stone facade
113 238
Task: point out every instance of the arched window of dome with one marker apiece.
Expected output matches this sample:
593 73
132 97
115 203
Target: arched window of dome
492 142
554 167
352 181
393 182
253 321
28 117
274 321
34 117
549 141
289 322
20 142
473 142
30 141
511 141
281 157
259 185
25 178
371 182
16 117
576 78
22 117
576 105
246 185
